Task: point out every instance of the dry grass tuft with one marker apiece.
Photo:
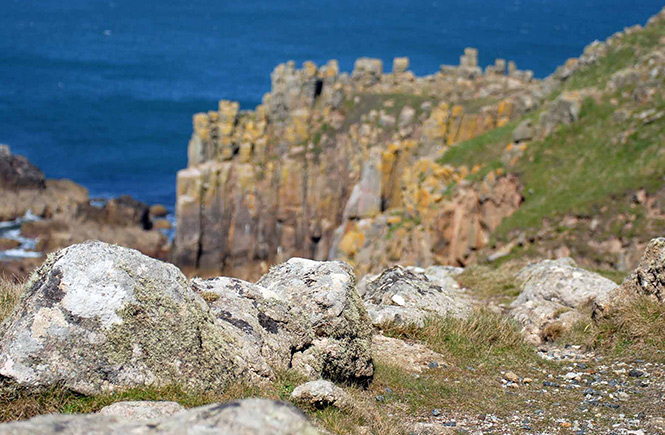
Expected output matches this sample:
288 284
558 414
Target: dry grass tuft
484 337
637 327
10 292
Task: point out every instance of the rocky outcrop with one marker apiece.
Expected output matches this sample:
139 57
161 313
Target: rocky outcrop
646 281
400 296
16 172
59 213
247 417
97 318
554 295
324 150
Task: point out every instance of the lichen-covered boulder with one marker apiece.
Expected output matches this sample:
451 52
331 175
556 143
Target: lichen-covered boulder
406 296
270 328
97 317
326 293
243 417
553 293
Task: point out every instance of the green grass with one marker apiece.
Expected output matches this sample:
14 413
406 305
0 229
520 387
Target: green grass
620 55
484 338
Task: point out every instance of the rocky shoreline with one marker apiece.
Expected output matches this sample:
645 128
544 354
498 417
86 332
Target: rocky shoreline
40 215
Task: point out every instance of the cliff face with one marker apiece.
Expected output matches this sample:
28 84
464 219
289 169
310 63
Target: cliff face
330 163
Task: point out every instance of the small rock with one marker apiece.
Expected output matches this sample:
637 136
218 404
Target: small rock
634 373
321 394
436 412
511 377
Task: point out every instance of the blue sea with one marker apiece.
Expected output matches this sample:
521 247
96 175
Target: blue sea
102 91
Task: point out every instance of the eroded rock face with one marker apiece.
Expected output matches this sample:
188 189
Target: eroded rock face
246 417
326 293
402 296
97 317
553 295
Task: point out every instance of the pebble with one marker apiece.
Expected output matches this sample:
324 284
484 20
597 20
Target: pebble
436 412
512 377
634 373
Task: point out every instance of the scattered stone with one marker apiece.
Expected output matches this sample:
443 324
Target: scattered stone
511 377
523 132
634 373
158 210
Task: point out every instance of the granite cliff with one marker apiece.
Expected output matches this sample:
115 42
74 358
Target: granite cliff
331 164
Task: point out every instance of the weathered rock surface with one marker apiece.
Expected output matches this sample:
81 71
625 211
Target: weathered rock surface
244 417
269 328
321 394
554 294
141 410
401 296
326 293
96 317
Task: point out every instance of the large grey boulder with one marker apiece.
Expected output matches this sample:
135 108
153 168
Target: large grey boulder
97 317
554 294
244 417
407 296
326 293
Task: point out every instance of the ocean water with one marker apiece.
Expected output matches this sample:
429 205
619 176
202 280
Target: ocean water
102 91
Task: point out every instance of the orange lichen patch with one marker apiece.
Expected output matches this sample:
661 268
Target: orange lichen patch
393 220
352 242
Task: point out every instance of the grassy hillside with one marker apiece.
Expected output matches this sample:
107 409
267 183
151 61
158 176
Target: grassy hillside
592 167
